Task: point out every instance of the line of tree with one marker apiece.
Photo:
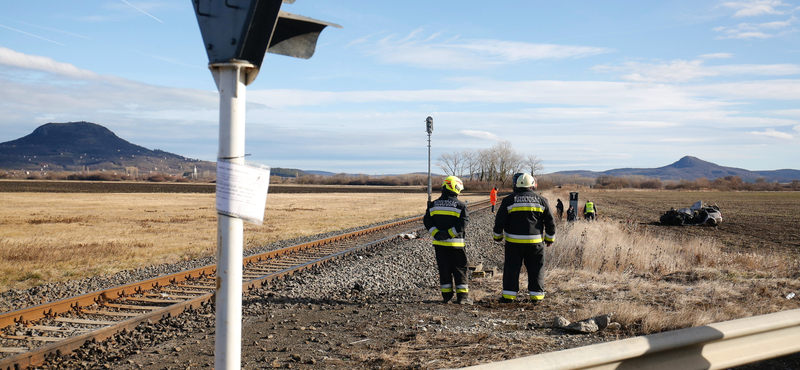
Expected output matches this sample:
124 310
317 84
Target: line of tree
95 176
495 165
359 179
727 183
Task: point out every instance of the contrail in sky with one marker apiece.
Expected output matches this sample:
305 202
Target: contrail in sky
56 30
32 35
46 28
141 11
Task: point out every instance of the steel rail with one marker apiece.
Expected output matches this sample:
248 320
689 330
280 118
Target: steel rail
715 346
27 316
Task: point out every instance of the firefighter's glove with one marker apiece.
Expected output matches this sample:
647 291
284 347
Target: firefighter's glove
547 244
498 238
441 235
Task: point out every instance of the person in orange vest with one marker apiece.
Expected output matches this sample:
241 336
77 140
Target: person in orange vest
493 197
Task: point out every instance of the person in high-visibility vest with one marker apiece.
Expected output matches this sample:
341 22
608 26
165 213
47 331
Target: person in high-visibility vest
446 219
493 197
525 221
589 211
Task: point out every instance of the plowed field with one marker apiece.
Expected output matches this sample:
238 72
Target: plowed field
761 221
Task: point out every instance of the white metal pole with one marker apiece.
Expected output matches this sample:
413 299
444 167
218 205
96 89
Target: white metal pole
230 79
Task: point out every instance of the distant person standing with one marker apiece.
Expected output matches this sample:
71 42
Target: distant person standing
493 197
589 211
559 208
446 219
571 216
525 221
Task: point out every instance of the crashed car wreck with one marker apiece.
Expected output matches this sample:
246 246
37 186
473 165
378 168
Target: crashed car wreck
697 214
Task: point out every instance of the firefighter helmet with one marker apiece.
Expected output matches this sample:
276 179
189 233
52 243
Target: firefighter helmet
453 184
514 178
525 180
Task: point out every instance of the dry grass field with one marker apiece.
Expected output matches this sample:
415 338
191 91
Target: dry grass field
47 237
657 278
652 277
751 220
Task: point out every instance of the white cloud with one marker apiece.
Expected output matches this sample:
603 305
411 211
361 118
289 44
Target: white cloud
16 59
797 128
759 90
683 71
675 71
784 112
772 133
756 30
466 54
70 93
716 55
684 140
647 124
759 69
481 135
621 95
754 7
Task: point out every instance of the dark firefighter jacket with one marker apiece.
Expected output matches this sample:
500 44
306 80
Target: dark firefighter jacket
523 217
446 218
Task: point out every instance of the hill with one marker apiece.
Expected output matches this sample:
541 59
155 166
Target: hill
692 168
78 146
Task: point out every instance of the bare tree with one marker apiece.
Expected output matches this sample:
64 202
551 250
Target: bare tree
470 163
508 160
495 164
533 163
451 163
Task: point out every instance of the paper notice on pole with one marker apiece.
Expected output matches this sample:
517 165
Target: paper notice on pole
242 190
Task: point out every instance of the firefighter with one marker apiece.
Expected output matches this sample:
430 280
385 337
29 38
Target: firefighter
493 197
446 219
525 221
589 211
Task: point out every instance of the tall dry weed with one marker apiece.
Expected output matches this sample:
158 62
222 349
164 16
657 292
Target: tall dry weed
608 247
654 283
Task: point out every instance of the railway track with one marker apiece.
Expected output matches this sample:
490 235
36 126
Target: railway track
29 335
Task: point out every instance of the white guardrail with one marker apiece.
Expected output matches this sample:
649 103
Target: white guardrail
714 346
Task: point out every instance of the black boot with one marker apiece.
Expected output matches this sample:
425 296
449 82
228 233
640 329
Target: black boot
463 298
446 297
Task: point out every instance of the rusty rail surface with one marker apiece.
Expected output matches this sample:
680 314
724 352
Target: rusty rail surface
160 297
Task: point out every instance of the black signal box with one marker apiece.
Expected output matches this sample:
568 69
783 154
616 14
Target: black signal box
244 30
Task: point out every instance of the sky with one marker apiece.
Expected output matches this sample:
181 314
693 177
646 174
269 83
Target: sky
582 85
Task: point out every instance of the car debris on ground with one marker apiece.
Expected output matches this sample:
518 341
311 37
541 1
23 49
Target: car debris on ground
697 214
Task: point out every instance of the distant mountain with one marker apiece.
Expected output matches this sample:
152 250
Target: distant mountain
75 146
319 173
692 168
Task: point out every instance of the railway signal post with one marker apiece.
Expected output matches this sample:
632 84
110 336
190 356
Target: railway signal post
236 35
429 129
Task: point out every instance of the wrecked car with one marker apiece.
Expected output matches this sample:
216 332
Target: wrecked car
697 214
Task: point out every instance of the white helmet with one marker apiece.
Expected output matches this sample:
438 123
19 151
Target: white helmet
526 181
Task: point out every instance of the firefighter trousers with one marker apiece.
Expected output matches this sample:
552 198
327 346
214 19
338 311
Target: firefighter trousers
452 262
532 255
